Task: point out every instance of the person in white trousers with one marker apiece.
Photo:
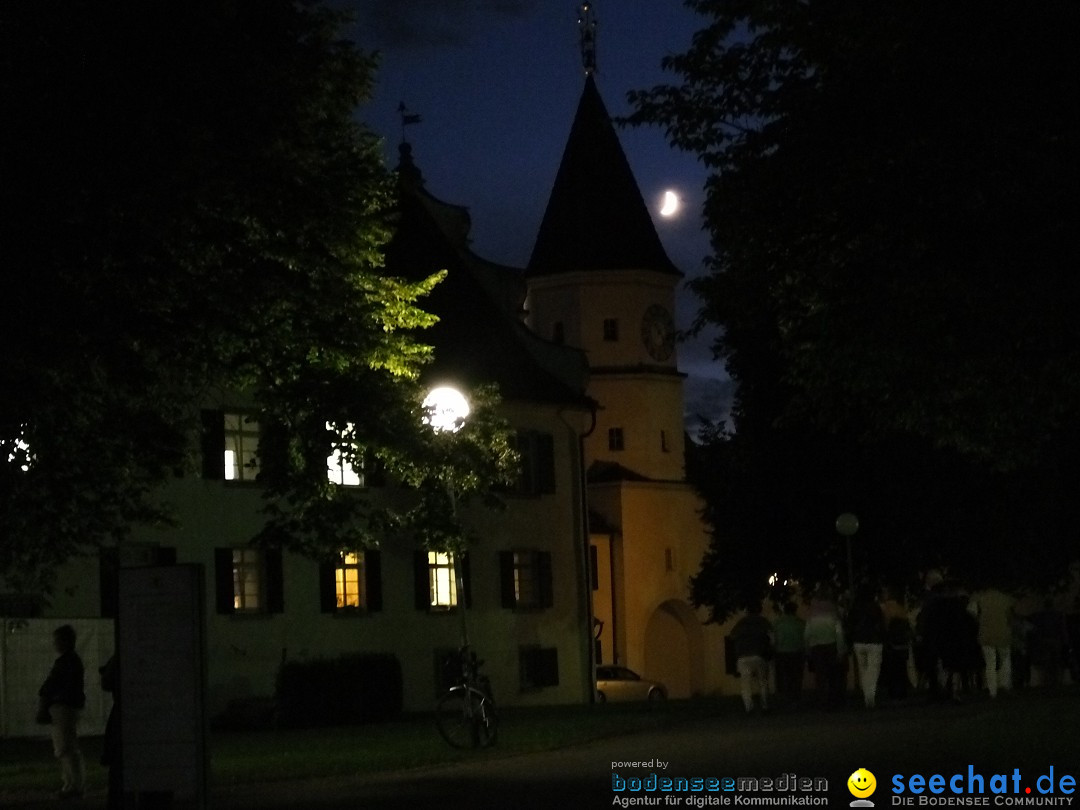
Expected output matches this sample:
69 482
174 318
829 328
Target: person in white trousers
753 639
994 610
867 641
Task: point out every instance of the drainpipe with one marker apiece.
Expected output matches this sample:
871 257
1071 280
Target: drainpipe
586 582
614 611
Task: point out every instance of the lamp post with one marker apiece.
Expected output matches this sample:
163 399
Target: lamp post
847 524
445 410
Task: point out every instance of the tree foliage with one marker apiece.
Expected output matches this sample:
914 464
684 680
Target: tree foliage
193 212
891 209
890 204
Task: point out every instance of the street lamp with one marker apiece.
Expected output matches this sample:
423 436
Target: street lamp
445 410
847 524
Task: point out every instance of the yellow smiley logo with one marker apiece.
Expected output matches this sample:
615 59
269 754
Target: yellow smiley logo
861 783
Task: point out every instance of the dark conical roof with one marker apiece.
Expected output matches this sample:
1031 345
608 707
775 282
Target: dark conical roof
595 217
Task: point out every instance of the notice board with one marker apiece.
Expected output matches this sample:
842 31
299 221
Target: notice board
162 653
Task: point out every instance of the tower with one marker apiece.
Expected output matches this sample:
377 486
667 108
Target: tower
600 280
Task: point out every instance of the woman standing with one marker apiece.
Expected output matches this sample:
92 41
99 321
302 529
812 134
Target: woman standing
61 697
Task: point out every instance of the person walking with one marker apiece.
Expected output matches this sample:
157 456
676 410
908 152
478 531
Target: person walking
62 697
897 649
993 609
824 638
752 636
867 639
789 631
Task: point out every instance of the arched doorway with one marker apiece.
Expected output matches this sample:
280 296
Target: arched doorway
673 649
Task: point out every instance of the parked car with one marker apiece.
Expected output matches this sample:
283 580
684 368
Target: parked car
620 683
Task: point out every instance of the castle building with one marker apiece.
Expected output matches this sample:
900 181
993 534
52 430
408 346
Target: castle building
589 562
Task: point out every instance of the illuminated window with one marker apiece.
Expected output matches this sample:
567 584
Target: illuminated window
526 579
611 329
247 570
349 581
615 439
241 447
338 468
442 582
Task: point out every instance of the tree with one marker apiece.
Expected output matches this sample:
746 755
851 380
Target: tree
193 209
890 210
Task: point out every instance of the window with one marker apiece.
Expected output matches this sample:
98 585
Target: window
437 582
615 439
558 333
663 442
538 667
351 582
248 580
338 468
525 579
669 559
247 576
611 329
537 470
241 447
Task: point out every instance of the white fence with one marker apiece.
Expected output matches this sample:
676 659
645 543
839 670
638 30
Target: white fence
26 654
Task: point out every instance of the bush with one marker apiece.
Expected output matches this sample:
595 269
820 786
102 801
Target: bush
350 689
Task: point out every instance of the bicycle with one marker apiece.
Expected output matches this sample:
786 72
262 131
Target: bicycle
466 715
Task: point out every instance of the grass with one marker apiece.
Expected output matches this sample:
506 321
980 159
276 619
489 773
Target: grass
239 758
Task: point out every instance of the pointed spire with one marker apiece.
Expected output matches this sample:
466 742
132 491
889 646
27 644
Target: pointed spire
596 218
587 25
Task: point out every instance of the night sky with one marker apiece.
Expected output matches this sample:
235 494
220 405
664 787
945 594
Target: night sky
496 83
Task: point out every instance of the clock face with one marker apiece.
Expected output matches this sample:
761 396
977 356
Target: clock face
658 333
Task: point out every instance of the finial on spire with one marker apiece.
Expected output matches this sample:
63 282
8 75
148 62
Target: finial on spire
407 119
587 25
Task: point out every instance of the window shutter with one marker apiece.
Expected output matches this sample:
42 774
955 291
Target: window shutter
526 447
223 580
374 471
506 579
545 463
373 579
213 448
466 578
275 580
109 581
421 581
548 669
543 574
328 586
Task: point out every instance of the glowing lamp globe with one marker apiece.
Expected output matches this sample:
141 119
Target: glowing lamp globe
847 524
445 409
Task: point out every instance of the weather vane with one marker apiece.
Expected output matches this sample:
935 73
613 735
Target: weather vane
587 25
407 119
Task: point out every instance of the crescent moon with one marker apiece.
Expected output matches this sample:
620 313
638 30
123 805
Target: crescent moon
671 204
